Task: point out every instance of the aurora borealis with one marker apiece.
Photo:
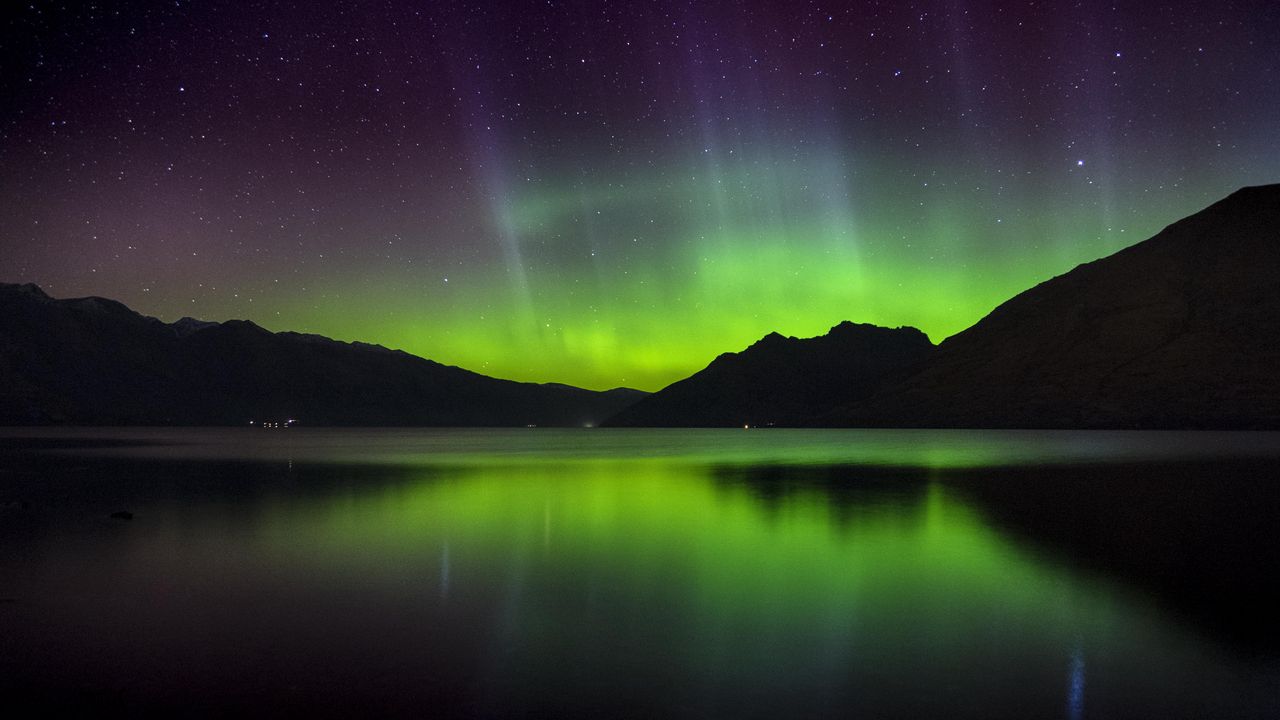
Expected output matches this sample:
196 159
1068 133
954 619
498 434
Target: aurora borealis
611 194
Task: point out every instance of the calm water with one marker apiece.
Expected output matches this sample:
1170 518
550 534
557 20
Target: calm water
602 573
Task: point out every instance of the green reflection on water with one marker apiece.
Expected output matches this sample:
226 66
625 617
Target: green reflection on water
605 573
661 570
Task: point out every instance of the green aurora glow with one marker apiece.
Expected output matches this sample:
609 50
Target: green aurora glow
642 282
614 195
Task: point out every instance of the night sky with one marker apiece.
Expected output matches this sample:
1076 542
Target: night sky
611 193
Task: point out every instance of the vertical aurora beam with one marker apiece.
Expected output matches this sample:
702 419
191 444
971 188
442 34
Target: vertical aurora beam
488 167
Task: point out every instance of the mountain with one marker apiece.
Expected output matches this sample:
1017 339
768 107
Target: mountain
1179 331
784 381
94 361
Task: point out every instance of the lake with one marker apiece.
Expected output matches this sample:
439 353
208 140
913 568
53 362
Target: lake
640 573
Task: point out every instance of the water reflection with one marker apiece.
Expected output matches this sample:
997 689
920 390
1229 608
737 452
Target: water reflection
642 585
1075 691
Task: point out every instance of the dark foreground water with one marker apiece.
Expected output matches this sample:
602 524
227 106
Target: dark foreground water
607 573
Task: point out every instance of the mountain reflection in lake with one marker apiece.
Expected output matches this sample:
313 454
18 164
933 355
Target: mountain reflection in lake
641 573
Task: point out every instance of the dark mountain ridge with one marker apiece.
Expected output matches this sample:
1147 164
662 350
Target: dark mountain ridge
94 361
784 380
1179 331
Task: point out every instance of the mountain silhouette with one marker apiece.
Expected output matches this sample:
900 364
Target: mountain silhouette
95 361
1179 331
784 380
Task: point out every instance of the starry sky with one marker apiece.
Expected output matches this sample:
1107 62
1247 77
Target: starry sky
611 193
